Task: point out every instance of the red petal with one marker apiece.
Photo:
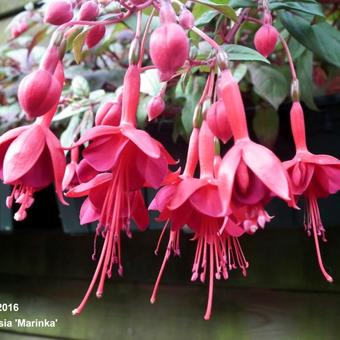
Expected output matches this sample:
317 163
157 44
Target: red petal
184 190
143 141
84 188
207 201
88 213
96 132
58 163
23 153
268 168
70 171
140 214
41 173
226 175
103 153
153 170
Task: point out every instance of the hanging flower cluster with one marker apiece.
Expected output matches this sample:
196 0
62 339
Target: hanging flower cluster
219 196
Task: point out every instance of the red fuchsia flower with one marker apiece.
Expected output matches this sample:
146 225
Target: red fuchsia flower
31 158
127 159
169 44
312 177
40 91
265 39
58 12
184 202
155 107
250 174
89 11
95 35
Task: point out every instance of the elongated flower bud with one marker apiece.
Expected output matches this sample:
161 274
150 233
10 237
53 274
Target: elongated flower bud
89 11
169 48
218 121
130 98
38 93
265 39
155 107
58 12
186 19
95 35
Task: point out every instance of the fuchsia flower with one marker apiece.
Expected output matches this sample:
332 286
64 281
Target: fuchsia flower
250 174
40 91
265 39
312 177
126 159
196 203
58 12
31 158
169 44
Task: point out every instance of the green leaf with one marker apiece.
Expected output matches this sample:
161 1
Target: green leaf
206 17
77 46
309 7
80 87
192 95
296 49
142 111
269 84
238 52
239 72
304 69
321 38
306 6
221 7
71 110
68 136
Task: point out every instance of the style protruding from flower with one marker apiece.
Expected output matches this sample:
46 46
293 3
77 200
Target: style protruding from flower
126 160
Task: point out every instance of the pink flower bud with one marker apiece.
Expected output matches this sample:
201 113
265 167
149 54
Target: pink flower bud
58 12
109 114
169 48
186 19
89 11
218 122
95 35
155 107
38 93
19 28
266 39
